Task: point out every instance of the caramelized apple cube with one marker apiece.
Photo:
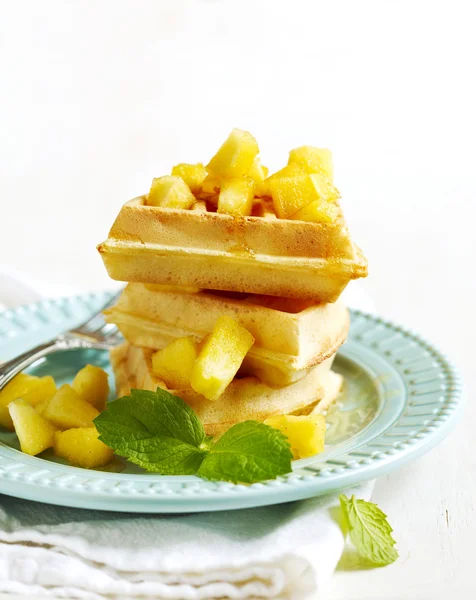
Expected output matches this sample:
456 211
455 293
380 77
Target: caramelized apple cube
305 434
263 188
174 363
34 432
236 196
313 160
220 358
43 389
236 155
82 448
28 387
193 175
258 172
210 186
92 385
290 194
41 407
170 192
288 171
319 211
67 409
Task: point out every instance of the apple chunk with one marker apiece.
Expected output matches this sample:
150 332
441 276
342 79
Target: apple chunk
34 432
220 357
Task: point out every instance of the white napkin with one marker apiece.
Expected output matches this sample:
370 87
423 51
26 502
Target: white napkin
285 551
282 551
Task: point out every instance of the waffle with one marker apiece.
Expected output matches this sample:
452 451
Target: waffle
245 398
291 335
259 254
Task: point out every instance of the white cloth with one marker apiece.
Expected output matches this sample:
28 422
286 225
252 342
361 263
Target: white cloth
285 551
282 551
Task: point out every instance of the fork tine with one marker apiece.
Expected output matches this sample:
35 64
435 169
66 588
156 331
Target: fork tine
96 322
106 329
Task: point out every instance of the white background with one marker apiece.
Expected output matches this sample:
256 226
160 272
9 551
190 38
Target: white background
97 97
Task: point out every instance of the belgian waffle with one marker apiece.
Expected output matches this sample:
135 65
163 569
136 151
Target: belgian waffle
258 254
291 336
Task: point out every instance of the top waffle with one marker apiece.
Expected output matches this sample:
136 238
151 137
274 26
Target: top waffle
229 227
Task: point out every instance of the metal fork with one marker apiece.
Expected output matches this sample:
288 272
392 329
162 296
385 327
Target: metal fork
94 333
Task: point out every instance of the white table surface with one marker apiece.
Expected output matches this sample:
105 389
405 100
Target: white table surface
99 97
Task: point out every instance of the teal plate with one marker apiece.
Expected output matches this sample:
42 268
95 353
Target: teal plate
401 397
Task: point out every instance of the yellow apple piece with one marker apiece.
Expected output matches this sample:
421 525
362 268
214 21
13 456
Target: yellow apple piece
82 448
34 432
67 409
210 186
170 192
305 433
288 171
193 175
202 342
313 160
319 211
41 406
263 188
92 385
236 155
236 196
290 194
220 357
28 387
174 363
258 172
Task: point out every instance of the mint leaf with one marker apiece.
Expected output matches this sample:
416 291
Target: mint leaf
369 530
154 430
246 453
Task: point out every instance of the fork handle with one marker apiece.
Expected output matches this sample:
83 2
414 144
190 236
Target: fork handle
9 369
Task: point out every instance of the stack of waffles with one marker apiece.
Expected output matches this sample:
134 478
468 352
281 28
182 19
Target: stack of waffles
222 251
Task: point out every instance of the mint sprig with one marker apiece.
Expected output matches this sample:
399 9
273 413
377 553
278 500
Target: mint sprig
369 530
161 433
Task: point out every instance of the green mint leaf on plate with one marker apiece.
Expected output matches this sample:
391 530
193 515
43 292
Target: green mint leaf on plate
369 530
248 452
154 430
